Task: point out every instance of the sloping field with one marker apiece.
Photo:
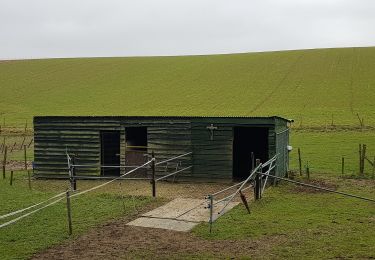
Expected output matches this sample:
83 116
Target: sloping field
310 86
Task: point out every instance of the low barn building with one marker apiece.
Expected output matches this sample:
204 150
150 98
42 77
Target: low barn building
217 147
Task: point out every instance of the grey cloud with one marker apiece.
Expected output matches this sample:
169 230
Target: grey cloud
71 28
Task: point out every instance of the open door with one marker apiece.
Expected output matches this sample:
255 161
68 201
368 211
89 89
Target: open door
110 152
136 148
247 140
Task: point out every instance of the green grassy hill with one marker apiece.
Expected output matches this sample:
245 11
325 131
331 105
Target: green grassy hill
314 87
310 86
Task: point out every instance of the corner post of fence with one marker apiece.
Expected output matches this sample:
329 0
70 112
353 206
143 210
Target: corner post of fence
74 181
153 182
25 155
257 181
69 211
211 206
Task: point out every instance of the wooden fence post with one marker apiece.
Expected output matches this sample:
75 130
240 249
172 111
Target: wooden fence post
3 146
11 178
360 157
23 142
244 201
153 183
31 141
299 161
363 159
342 165
25 155
5 161
307 171
69 212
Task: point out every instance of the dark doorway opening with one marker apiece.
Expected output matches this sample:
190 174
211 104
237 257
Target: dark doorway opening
245 141
136 148
110 152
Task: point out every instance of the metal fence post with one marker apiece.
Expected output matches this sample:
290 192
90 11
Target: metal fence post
153 183
258 184
74 181
211 210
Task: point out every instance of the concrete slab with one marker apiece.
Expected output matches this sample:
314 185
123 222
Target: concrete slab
181 214
175 208
171 224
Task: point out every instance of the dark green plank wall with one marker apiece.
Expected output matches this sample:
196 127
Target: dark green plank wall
167 137
212 159
80 137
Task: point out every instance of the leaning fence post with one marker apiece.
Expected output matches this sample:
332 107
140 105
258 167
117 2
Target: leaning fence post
153 183
244 201
69 212
299 161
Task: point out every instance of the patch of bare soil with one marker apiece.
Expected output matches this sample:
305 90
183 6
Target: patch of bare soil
18 165
320 183
118 241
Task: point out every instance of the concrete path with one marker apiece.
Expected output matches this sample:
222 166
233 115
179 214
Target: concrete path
180 214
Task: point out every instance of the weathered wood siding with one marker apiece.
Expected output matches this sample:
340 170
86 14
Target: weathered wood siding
213 159
282 141
167 137
81 136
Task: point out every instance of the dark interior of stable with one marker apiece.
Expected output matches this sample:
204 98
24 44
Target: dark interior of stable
248 140
110 152
136 149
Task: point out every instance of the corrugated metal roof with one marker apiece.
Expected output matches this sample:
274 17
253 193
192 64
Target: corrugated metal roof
171 117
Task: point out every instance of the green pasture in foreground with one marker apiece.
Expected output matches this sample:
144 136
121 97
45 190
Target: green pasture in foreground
49 226
303 225
311 86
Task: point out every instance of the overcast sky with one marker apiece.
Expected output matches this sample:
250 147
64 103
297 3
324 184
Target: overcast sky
79 28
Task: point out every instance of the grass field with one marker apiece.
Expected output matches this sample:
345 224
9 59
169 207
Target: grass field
323 90
310 86
317 88
295 223
49 226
